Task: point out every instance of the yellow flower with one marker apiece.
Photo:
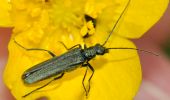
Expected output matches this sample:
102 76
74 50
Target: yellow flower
42 23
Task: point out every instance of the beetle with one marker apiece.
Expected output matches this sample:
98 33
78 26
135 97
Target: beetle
75 56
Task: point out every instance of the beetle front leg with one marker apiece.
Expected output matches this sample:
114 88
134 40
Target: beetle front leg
92 69
84 79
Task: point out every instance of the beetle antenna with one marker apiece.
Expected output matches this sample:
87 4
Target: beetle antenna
146 51
117 22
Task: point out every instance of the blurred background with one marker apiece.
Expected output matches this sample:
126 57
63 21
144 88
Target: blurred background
156 70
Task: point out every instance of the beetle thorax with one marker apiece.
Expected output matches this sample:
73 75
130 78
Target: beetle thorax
93 51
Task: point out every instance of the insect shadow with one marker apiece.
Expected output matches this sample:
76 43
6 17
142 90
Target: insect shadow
57 66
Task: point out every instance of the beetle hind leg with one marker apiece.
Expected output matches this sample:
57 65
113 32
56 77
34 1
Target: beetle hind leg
58 77
31 49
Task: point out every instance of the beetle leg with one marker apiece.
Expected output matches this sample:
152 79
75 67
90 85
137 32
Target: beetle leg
58 77
85 47
71 47
92 69
84 79
52 54
75 46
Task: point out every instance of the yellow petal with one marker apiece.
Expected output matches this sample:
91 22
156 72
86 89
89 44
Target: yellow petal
139 17
5 19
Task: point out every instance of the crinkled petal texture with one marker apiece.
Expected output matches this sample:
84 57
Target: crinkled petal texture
42 23
5 19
